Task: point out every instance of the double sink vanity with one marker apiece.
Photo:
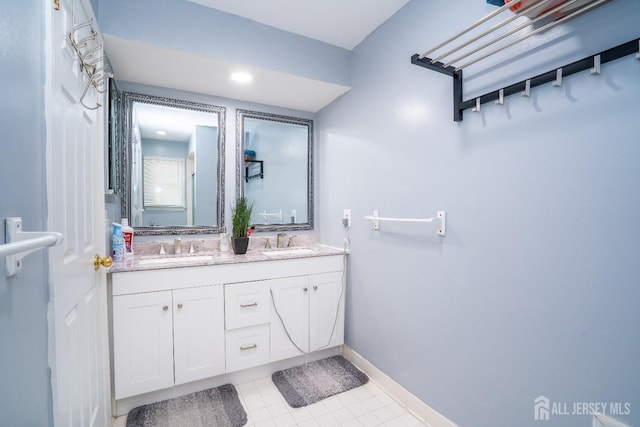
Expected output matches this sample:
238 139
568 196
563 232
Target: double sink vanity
180 318
185 316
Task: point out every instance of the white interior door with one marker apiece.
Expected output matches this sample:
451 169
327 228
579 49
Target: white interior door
78 333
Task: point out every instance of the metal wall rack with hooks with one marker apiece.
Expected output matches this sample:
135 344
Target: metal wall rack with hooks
551 13
84 40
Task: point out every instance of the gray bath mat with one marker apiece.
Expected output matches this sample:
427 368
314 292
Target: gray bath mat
310 383
215 407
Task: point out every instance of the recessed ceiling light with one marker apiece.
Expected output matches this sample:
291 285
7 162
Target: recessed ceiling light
241 77
161 132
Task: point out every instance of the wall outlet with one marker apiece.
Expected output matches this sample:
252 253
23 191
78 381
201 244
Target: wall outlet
347 216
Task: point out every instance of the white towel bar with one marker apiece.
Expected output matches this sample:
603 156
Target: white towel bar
441 215
266 215
22 243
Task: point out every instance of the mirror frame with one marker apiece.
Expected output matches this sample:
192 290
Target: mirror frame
240 116
128 98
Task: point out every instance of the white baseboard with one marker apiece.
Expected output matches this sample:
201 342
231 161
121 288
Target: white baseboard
420 409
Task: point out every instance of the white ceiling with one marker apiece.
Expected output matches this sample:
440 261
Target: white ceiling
343 23
179 124
139 62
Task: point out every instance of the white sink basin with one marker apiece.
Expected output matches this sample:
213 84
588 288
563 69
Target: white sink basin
289 252
175 260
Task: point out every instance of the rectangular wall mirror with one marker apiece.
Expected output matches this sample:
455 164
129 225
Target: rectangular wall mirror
172 165
274 158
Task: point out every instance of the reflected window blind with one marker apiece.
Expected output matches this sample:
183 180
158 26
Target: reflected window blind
164 185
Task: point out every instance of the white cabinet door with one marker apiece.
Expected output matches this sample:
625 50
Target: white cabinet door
326 311
290 310
198 322
142 343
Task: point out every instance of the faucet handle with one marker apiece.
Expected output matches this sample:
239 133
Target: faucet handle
280 239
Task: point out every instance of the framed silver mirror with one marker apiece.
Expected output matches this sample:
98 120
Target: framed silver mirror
274 169
172 162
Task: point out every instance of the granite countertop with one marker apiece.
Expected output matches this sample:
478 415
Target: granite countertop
216 257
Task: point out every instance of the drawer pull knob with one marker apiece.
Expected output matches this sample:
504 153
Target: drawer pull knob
255 304
165 308
249 347
180 306
315 287
305 289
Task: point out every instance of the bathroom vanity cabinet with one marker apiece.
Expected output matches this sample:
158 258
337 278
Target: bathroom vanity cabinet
312 310
167 337
172 326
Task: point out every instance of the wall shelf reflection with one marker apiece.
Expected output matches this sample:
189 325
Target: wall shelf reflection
253 169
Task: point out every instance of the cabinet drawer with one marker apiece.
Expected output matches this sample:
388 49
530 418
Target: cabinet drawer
246 304
247 347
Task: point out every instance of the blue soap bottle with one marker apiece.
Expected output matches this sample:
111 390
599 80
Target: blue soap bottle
117 243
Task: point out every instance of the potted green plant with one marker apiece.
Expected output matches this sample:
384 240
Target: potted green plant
241 220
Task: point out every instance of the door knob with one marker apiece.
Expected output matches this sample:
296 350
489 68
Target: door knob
102 261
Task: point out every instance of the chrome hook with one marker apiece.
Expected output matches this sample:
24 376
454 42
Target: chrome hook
596 65
88 54
77 45
558 81
90 82
500 100
527 88
76 27
96 61
477 107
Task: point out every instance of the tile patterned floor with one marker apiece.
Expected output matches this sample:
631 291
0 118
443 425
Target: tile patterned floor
365 406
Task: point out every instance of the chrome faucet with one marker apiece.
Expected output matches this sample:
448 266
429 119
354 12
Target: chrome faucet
177 245
280 240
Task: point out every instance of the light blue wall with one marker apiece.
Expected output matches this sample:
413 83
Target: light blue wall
534 291
190 27
24 377
206 205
